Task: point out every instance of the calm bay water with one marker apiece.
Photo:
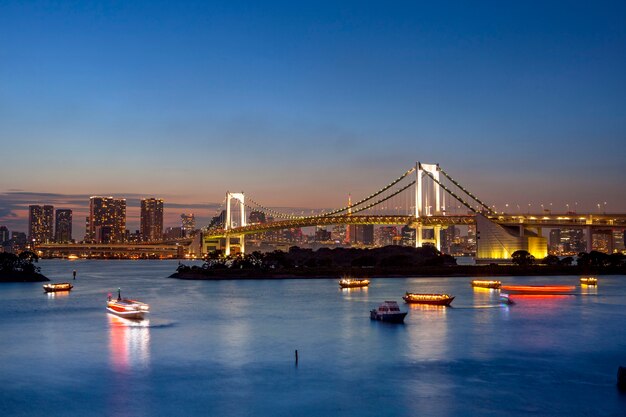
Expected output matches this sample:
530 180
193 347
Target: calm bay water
227 348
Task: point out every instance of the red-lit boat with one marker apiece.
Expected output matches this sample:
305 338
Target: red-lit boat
61 286
431 299
124 307
539 289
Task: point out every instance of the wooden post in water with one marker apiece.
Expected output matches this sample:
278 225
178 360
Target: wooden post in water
296 357
621 377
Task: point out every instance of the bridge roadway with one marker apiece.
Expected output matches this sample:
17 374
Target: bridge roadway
173 247
167 249
594 221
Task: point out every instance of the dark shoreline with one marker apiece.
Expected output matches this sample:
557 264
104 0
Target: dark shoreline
423 271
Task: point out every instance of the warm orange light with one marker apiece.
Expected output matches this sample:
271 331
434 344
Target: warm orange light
538 289
486 283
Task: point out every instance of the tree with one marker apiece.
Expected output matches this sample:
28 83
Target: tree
551 260
522 258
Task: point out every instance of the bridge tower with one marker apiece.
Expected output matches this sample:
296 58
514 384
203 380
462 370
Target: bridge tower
229 221
424 206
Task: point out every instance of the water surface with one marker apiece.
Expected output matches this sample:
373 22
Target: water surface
227 348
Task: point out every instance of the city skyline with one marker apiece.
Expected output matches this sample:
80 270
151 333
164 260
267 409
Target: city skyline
300 105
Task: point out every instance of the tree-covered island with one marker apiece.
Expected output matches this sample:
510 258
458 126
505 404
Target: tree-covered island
389 261
20 268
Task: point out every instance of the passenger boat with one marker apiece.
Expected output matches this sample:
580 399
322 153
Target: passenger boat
388 311
61 286
432 299
486 284
353 283
539 289
506 299
589 281
124 307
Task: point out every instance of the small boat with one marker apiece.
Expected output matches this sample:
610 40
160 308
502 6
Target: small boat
388 311
539 289
506 299
124 307
589 281
432 299
61 286
353 283
486 284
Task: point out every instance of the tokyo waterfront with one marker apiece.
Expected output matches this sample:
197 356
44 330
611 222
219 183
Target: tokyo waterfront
227 347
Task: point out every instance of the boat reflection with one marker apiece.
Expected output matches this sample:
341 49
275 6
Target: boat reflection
353 289
58 294
129 343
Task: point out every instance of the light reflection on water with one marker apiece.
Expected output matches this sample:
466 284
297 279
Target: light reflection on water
129 343
228 348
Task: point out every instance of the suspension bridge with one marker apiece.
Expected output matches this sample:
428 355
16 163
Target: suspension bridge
425 198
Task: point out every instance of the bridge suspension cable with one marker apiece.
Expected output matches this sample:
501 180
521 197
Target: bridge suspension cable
453 194
352 207
485 206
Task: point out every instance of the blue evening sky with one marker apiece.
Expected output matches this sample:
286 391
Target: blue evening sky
300 103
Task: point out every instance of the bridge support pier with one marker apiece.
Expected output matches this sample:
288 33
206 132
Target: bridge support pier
589 238
435 240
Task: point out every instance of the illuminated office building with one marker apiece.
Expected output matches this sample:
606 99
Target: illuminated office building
63 226
107 220
40 224
151 227
188 224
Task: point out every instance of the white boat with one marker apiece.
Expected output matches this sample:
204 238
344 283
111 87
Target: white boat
124 307
388 311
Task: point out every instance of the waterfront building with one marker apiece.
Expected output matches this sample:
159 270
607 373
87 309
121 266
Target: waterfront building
107 220
408 236
173 233
18 242
554 243
387 235
4 234
448 236
338 233
322 235
256 217
572 241
63 226
40 226
602 241
188 224
151 219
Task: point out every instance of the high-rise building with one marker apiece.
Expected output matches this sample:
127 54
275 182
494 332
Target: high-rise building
361 234
4 234
448 236
408 236
107 220
40 226
554 244
387 235
256 217
63 226
188 224
151 227
573 241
